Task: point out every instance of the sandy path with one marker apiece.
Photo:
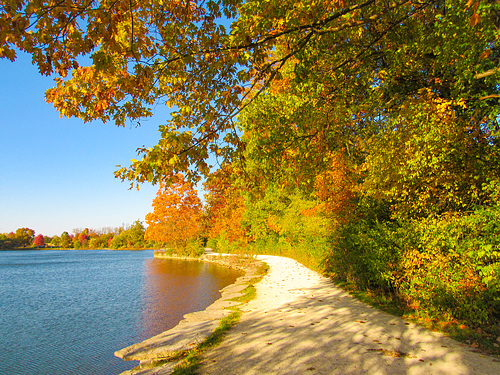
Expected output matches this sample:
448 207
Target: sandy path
301 323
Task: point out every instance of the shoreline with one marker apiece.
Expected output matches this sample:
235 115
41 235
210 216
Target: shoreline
155 353
232 261
302 323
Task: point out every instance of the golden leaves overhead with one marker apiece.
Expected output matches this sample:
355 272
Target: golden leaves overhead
186 55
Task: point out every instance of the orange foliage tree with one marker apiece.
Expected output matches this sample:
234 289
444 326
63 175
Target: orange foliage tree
225 207
335 188
176 215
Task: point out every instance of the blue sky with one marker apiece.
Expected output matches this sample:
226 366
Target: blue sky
57 174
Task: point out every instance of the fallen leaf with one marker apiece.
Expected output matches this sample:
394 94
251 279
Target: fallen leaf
391 353
395 353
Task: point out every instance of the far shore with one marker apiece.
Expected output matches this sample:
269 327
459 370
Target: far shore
69 248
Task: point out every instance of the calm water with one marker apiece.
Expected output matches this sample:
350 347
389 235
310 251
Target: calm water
67 312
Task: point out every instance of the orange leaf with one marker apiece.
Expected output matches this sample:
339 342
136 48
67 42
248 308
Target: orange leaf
469 4
474 20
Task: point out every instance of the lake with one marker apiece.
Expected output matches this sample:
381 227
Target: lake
67 312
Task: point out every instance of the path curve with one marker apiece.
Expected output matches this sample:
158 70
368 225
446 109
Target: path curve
301 323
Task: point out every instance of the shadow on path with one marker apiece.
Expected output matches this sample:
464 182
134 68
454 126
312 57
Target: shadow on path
301 323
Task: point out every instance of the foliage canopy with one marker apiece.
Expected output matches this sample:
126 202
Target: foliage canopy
348 66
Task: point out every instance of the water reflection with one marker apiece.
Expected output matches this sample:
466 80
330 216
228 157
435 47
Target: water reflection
172 288
67 312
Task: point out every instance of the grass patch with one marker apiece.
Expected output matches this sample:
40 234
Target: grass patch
482 341
247 296
192 359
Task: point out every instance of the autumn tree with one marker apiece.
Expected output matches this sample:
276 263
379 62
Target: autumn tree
55 241
136 233
130 238
65 240
224 207
39 241
435 159
83 237
175 219
8 241
25 236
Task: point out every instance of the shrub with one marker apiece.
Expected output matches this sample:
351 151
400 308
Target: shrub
445 266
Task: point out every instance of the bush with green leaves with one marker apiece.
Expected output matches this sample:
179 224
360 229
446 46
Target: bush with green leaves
444 266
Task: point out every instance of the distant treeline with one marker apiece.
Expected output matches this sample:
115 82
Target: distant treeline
124 237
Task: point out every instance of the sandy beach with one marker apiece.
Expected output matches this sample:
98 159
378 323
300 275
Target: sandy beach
301 323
